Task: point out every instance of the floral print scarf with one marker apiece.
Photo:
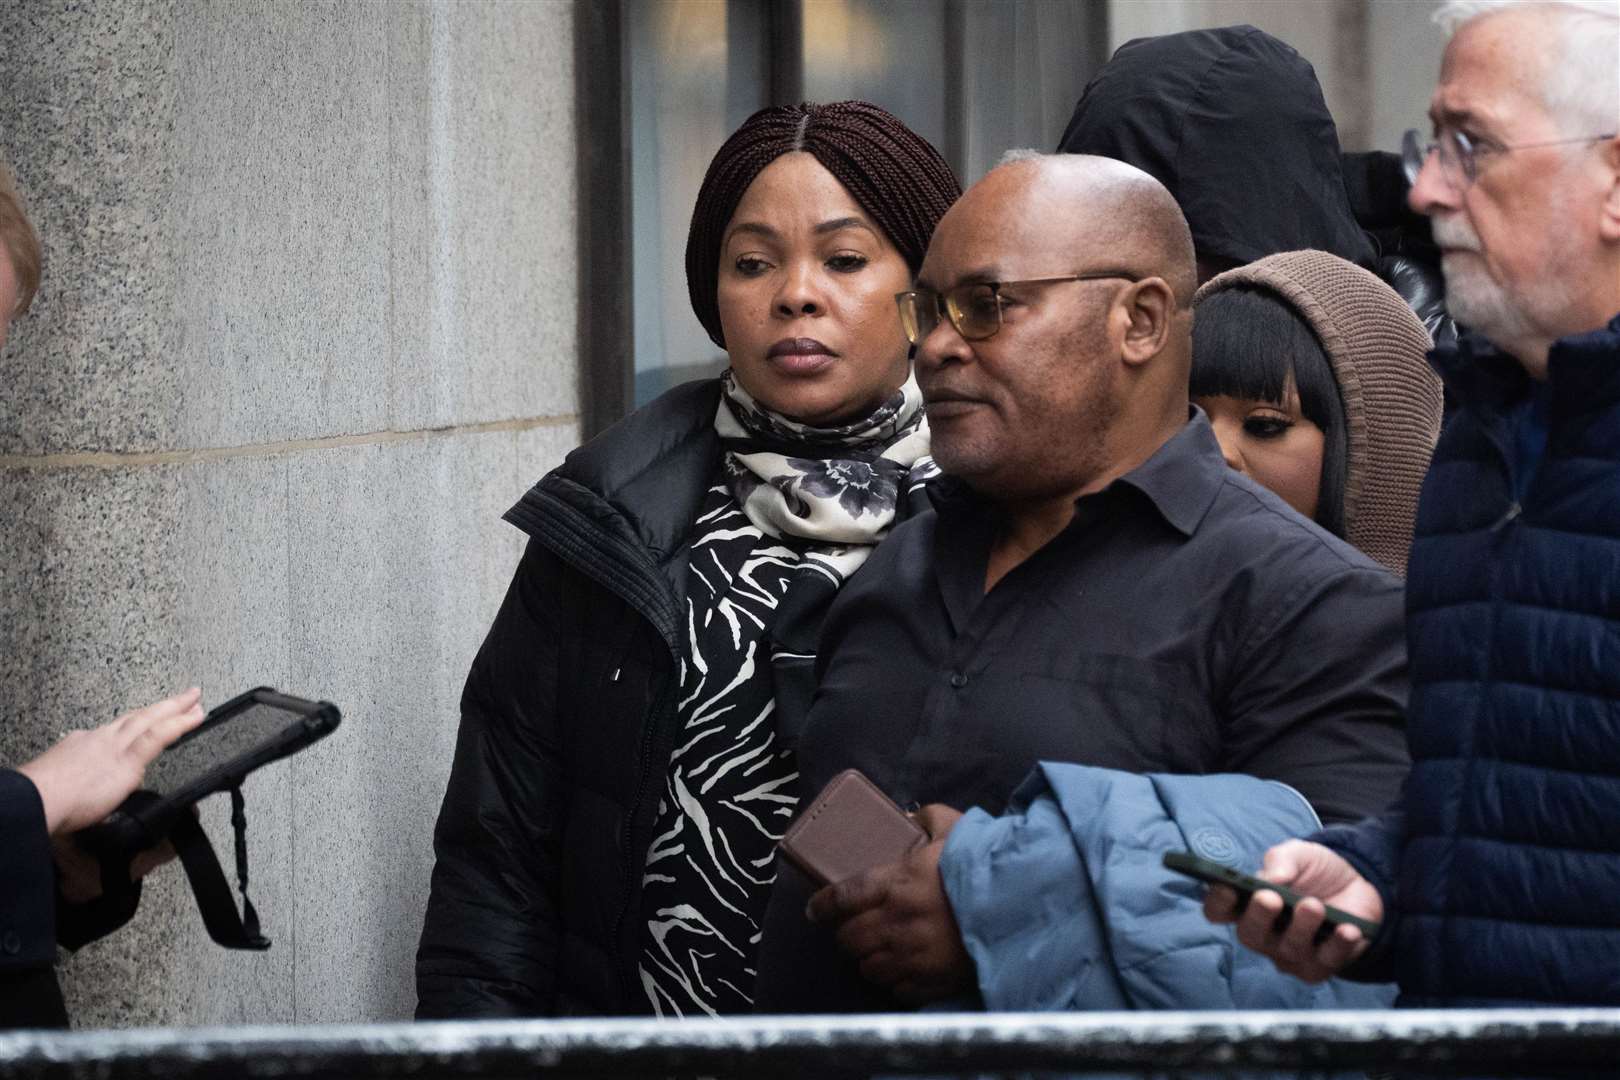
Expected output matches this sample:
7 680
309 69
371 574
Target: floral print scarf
839 487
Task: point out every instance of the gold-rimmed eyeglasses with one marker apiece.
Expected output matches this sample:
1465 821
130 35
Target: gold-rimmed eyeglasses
975 307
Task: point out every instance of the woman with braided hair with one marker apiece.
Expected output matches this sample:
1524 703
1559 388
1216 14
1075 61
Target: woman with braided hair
625 761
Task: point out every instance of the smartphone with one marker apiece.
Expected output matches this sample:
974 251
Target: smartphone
1214 873
851 827
248 731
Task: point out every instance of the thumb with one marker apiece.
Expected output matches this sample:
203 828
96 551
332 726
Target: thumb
839 901
1281 864
937 820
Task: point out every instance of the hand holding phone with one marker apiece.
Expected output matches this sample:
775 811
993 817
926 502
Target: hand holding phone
849 828
1246 885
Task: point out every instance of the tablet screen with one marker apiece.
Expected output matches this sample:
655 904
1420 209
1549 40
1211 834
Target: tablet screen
222 743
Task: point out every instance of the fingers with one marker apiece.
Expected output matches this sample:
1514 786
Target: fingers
162 730
840 901
1342 946
937 820
1301 954
1257 925
1281 864
1222 905
135 721
1295 936
892 956
864 934
1292 942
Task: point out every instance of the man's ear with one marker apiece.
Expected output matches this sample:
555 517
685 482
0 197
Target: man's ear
1609 221
1150 308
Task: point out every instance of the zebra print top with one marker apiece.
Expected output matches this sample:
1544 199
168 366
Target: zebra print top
728 794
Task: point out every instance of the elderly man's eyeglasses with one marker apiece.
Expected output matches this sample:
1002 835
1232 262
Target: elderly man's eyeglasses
975 308
1459 155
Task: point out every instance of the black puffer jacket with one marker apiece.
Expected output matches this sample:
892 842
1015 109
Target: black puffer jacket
567 722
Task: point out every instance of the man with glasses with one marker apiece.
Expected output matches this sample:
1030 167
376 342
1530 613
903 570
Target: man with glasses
1094 586
1496 882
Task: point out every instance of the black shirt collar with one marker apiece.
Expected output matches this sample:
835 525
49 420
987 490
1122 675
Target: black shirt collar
1180 479
1184 475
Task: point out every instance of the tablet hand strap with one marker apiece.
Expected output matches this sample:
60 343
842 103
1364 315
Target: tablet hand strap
250 917
208 883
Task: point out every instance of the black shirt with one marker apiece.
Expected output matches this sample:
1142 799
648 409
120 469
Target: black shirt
1186 621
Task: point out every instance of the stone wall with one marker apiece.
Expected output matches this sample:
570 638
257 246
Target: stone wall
307 328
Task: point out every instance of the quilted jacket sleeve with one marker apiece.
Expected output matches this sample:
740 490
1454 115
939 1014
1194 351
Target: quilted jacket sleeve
1025 906
1063 902
1373 848
489 941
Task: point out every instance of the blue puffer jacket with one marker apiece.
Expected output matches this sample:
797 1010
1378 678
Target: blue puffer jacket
1063 902
1504 869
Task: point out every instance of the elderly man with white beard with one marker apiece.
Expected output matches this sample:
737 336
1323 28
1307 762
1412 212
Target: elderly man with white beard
1495 882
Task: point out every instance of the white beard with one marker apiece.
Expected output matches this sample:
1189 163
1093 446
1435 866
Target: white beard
1479 303
1482 304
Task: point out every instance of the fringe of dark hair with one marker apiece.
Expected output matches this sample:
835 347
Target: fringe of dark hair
1247 343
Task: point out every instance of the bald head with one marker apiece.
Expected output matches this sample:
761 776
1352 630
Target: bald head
1088 265
1087 211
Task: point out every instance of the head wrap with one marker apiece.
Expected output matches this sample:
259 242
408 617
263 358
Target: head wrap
1392 398
894 174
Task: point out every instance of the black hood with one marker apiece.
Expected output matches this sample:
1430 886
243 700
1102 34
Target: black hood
1233 122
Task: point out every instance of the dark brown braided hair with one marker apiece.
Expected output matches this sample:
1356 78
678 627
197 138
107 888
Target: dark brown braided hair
895 175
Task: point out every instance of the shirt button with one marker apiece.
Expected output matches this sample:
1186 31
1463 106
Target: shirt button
11 943
958 679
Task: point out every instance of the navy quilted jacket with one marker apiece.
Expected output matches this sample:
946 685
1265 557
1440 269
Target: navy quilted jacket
1503 868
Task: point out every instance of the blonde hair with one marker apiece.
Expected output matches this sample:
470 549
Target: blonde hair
20 242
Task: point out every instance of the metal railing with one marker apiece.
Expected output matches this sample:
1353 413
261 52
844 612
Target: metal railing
1497 1042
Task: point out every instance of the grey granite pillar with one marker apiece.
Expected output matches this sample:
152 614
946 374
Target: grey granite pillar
307 327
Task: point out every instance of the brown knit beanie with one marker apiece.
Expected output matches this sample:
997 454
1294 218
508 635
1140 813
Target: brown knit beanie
1392 398
895 175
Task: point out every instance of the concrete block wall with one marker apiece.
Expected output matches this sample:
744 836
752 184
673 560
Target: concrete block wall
307 328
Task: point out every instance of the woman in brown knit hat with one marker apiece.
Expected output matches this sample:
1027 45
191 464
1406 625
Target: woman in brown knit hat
1314 376
625 764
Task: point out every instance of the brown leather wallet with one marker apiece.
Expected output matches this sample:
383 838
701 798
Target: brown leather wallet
850 828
